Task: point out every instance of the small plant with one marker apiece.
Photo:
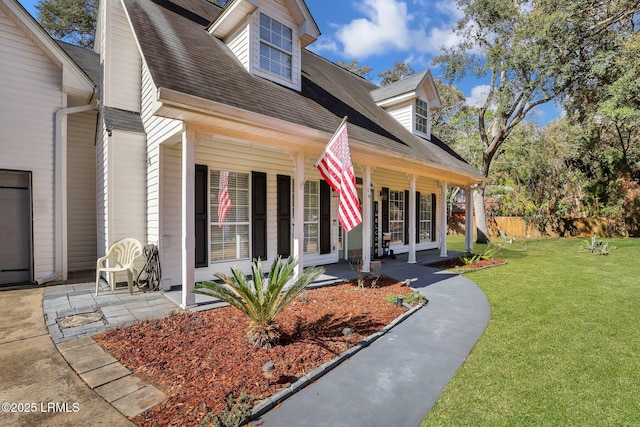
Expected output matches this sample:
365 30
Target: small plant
374 281
469 259
592 244
412 298
357 265
597 246
238 410
261 299
490 252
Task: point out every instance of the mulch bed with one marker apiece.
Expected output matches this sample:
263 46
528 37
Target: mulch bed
457 264
198 359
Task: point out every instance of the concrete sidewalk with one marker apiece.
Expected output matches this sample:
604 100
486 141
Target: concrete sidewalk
35 378
399 377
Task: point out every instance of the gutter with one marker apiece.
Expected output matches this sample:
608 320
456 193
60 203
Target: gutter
60 190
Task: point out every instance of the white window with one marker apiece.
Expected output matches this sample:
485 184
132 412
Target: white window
425 218
422 116
311 216
230 237
276 47
396 216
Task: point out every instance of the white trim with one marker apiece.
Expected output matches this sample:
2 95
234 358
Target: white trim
298 231
412 220
443 219
188 217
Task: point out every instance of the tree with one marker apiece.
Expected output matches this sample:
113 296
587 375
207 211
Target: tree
73 21
531 52
399 71
452 101
353 66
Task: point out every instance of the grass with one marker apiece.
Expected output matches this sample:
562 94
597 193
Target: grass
562 345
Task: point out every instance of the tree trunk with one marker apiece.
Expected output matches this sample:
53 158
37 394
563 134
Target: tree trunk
482 229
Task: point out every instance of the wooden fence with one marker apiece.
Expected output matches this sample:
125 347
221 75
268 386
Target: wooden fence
517 227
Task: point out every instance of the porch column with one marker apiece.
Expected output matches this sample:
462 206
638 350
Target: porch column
298 218
188 217
468 219
412 220
443 219
366 219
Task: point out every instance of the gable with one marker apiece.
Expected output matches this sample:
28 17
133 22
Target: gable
267 37
75 81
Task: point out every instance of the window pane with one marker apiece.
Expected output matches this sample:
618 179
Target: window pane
425 218
422 116
396 216
311 216
230 238
276 47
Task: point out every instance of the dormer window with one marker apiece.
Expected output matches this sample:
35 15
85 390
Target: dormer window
276 47
422 117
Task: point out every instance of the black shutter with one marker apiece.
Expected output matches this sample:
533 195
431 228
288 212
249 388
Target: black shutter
385 210
406 217
325 217
284 215
417 217
201 209
259 215
434 210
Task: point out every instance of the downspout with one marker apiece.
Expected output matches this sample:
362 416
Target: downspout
60 189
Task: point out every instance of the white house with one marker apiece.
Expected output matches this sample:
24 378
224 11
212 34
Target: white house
48 109
189 90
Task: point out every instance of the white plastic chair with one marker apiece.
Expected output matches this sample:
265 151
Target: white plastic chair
120 258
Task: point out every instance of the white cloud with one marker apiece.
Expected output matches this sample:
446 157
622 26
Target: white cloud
385 27
324 44
478 96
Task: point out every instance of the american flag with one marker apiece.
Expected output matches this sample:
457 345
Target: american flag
224 203
336 168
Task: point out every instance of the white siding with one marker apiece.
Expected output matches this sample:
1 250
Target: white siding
237 157
158 129
126 189
127 192
122 62
239 45
403 114
81 191
30 90
102 189
280 13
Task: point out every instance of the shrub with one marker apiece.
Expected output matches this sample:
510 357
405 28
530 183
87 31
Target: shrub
261 299
238 410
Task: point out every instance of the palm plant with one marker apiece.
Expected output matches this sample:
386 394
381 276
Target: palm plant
261 299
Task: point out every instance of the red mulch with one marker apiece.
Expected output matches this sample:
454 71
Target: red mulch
457 263
198 359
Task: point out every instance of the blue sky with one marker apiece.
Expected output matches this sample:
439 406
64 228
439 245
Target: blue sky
380 32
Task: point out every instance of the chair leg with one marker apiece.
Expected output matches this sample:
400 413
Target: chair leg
112 280
97 280
130 281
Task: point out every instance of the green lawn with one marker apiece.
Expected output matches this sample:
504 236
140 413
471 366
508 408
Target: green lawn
563 344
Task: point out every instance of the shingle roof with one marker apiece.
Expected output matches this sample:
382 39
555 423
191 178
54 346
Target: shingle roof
406 85
183 57
115 118
86 59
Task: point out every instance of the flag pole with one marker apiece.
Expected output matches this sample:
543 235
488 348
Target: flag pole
344 120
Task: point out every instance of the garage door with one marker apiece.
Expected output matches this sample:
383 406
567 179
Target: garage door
15 227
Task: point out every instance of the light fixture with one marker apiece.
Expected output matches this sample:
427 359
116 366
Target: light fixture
267 370
109 130
347 332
